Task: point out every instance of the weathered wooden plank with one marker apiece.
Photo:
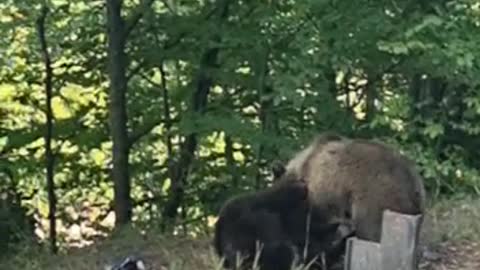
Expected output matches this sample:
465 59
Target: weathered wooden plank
399 241
362 255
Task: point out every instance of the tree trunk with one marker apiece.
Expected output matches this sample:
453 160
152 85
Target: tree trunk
197 106
118 112
415 89
371 95
231 168
264 114
166 112
52 200
187 149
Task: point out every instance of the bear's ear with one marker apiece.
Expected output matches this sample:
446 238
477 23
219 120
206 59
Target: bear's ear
278 169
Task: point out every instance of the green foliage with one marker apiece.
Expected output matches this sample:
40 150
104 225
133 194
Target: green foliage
16 225
405 73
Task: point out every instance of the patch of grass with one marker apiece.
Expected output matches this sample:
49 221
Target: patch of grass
449 220
173 253
452 220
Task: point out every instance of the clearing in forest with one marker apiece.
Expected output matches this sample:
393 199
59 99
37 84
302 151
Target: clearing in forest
451 235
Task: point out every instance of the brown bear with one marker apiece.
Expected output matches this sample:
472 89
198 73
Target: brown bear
275 218
356 180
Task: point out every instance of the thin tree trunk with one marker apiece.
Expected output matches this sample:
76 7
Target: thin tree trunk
188 147
265 102
198 106
370 97
166 112
415 88
331 75
230 160
52 201
348 102
118 112
168 123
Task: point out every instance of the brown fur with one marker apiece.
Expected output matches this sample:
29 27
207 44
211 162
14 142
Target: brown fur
358 179
278 167
257 217
275 217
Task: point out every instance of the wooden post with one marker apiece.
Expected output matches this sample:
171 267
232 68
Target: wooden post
397 248
399 241
362 255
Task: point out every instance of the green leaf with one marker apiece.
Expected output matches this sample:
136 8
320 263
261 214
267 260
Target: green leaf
434 130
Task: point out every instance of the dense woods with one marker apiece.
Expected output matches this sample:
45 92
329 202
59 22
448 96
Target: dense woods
156 112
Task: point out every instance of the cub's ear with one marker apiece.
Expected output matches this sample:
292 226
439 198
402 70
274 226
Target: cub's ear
278 169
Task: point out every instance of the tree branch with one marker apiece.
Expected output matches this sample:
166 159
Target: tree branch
136 70
136 136
147 128
137 16
166 111
167 5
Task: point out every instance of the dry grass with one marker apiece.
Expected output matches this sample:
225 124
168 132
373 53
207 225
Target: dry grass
448 225
453 220
452 231
157 251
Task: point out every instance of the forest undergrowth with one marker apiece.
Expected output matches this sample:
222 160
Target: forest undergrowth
450 240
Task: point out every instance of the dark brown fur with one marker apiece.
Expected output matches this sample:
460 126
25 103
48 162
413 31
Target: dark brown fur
358 180
276 218
255 217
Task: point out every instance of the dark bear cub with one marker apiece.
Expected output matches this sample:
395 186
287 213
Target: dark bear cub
273 222
253 222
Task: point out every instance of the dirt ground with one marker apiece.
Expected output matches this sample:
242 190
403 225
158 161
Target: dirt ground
452 234
464 255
